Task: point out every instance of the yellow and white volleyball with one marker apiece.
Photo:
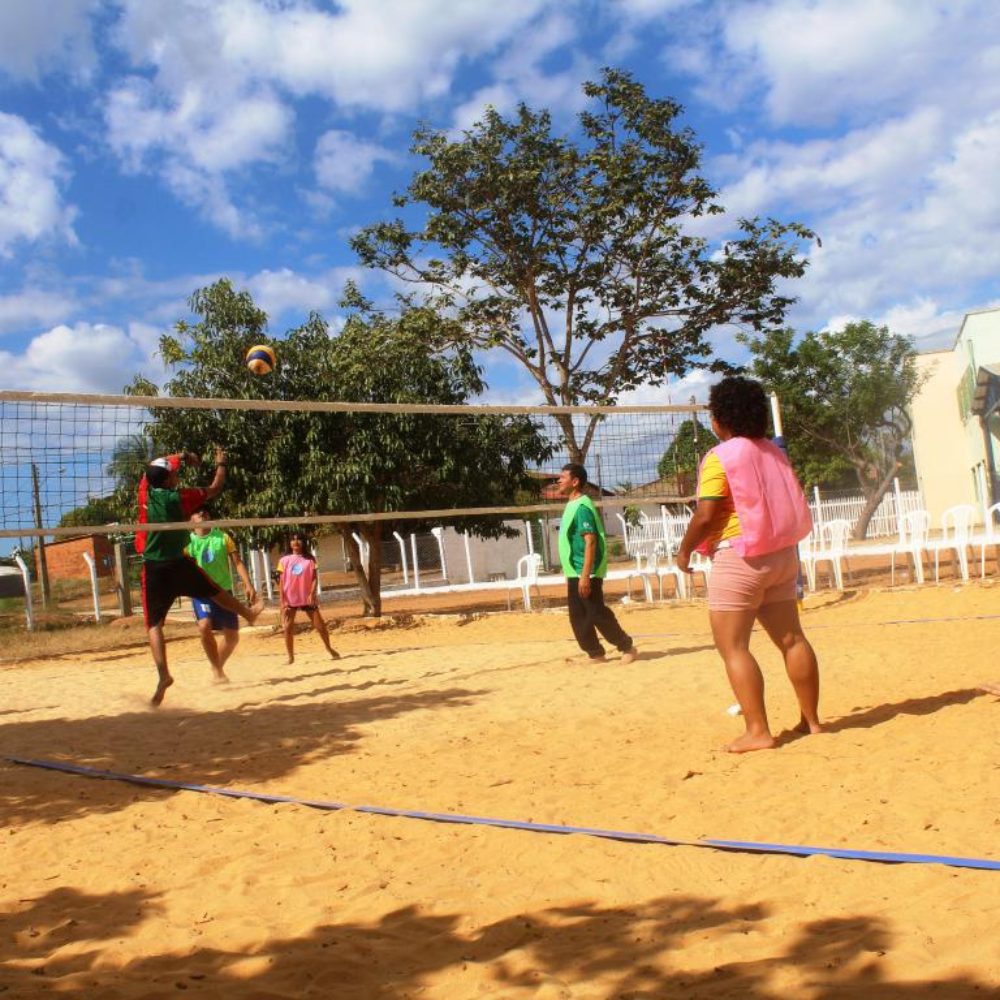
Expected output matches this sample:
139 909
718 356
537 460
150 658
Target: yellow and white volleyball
261 359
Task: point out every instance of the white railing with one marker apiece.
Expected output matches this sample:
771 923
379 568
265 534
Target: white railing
884 522
666 531
648 533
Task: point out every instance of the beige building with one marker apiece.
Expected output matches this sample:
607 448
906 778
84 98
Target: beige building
956 428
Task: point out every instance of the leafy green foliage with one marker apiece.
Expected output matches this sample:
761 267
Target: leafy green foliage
579 258
844 397
685 452
97 510
300 463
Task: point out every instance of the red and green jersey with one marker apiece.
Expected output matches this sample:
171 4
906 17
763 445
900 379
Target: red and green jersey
168 505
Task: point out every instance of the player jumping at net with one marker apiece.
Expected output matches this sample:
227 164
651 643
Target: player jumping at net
750 516
583 553
167 573
299 588
216 553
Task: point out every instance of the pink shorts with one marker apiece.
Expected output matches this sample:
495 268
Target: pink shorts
746 584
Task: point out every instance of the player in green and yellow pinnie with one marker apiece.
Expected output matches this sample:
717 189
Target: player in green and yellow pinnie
216 553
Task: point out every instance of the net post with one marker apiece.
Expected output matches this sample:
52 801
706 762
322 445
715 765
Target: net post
779 430
122 589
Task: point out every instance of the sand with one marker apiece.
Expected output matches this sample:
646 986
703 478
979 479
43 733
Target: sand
116 891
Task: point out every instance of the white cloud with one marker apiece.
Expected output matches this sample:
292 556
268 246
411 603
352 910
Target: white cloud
344 162
809 62
32 308
83 358
387 55
32 175
214 81
41 35
284 291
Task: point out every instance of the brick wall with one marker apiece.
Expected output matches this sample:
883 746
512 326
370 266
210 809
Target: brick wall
65 558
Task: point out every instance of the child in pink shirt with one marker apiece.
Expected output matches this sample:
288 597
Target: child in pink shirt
298 593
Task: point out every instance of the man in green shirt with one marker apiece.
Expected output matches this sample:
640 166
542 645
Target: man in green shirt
583 553
215 552
167 573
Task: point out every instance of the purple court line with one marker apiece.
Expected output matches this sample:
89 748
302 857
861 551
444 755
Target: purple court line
742 846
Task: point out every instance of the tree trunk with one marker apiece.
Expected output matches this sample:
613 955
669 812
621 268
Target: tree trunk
872 502
371 601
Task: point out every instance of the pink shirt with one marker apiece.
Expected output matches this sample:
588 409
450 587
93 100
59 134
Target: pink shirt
298 574
769 502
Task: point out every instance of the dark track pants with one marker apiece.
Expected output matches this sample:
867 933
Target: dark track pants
591 615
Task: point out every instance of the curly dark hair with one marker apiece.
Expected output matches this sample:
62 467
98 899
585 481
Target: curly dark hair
740 406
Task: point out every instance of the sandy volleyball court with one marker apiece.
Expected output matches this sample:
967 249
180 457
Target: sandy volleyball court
116 891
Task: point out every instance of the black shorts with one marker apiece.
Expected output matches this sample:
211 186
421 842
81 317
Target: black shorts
164 582
307 608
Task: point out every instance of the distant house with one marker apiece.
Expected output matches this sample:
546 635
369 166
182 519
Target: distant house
956 418
64 558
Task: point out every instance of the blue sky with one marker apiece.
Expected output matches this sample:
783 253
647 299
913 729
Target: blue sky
148 147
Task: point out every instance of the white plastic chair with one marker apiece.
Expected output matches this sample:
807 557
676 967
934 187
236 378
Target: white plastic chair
914 527
699 564
528 568
645 570
956 536
990 537
663 564
806 548
832 549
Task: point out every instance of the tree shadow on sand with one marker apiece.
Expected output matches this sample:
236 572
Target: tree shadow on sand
54 944
234 747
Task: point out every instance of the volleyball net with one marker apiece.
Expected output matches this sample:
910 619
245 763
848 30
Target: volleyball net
72 463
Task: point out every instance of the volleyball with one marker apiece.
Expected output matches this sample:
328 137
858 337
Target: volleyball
261 359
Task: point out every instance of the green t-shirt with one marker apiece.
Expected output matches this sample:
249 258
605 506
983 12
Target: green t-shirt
211 552
581 518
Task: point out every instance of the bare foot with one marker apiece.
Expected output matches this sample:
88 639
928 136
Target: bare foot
219 676
630 656
255 609
807 728
161 690
991 687
334 655
578 661
290 660
746 743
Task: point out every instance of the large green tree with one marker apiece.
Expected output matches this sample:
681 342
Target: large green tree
685 452
581 257
97 510
293 464
844 399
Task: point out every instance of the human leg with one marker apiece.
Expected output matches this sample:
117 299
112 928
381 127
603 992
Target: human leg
731 631
320 626
604 620
230 640
210 646
580 621
250 612
288 627
781 622
156 600
158 646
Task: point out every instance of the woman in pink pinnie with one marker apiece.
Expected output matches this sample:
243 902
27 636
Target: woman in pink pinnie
298 591
750 517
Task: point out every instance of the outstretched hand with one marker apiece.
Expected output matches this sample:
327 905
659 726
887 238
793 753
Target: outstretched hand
220 455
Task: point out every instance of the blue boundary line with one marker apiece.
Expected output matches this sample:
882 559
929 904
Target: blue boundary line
742 846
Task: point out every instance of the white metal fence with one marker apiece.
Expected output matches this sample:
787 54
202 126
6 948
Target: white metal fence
666 531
